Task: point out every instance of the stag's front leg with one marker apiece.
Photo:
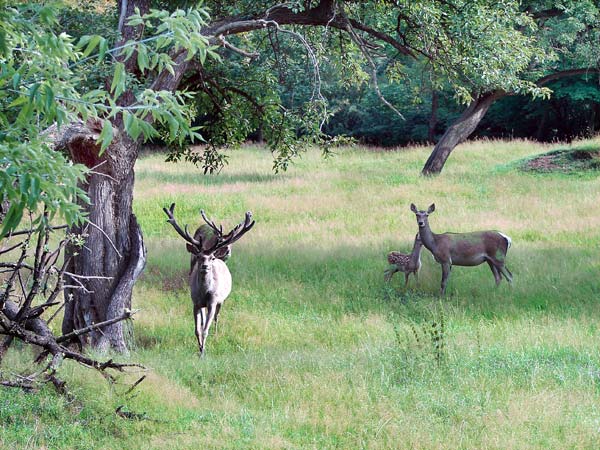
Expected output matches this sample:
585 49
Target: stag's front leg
210 315
198 326
446 267
218 310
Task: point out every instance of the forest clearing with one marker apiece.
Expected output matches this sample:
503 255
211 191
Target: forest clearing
314 350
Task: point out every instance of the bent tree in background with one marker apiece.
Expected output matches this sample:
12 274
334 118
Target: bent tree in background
459 131
566 36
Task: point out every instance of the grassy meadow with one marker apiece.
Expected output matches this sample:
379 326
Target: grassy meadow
315 351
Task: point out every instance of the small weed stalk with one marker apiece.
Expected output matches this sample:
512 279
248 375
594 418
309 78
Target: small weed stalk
437 333
427 339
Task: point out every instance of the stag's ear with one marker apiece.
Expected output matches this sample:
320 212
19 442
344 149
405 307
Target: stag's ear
413 208
431 208
192 249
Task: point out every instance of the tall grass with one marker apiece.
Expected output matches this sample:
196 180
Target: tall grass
315 351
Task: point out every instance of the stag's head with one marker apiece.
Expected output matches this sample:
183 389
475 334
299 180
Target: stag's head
422 215
207 246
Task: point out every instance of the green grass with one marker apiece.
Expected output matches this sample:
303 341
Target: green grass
315 351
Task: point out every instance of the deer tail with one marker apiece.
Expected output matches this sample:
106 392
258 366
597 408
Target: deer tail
507 238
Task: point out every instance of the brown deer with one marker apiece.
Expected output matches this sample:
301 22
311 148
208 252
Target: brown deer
464 249
210 279
411 263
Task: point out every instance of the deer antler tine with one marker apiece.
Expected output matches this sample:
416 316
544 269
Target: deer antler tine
211 224
237 232
183 233
187 233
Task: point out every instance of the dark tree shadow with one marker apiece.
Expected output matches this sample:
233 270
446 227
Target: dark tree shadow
208 180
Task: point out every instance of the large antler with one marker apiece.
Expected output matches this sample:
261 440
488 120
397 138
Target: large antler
233 235
218 230
183 233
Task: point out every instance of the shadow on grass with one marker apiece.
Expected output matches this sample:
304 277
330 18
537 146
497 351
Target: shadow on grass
342 280
208 180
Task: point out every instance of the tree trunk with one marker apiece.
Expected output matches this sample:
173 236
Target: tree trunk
459 131
113 246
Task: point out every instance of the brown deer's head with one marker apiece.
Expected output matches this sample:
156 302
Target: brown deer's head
422 215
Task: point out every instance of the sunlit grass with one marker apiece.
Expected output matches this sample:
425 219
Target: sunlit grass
315 351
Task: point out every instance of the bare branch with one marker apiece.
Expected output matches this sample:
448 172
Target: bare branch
567 73
235 49
31 231
134 385
9 249
66 337
368 57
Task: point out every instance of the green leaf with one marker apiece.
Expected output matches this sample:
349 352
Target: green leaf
12 218
93 43
106 136
118 82
3 47
127 120
102 49
16 79
49 94
18 101
33 91
134 130
142 58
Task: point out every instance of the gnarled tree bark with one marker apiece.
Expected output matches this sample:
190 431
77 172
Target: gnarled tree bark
114 247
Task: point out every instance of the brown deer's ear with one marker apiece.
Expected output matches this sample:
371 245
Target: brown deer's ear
413 208
192 249
431 208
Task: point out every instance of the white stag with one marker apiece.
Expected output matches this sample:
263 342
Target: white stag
210 279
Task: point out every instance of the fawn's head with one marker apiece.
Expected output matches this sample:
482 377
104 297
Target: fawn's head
422 215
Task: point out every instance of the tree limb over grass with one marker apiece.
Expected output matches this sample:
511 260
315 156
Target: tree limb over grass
21 320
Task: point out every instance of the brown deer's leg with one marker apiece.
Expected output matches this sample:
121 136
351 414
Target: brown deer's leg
390 271
446 268
406 274
499 264
494 269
